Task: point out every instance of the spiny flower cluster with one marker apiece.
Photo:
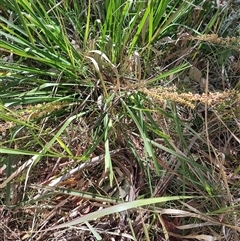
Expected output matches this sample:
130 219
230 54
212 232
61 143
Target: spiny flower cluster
214 38
39 110
29 112
189 99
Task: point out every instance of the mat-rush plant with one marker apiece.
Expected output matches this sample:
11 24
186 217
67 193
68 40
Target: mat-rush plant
47 51
72 79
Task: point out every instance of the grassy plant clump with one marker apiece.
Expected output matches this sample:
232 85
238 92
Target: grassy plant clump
119 120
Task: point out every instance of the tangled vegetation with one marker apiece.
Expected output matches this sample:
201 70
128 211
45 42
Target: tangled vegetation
119 120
